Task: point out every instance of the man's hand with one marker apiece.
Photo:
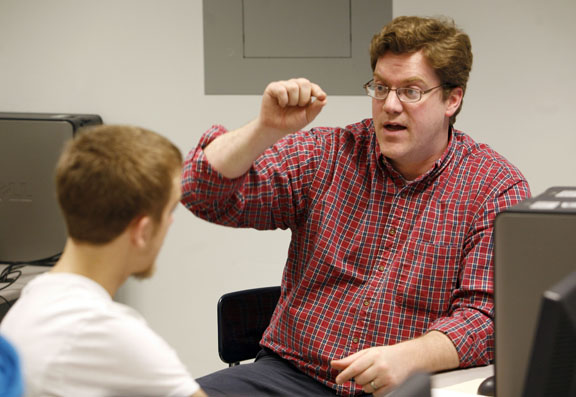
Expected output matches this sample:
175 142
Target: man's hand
381 369
377 369
288 106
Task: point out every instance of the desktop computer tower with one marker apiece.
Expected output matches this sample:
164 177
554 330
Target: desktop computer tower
31 226
534 248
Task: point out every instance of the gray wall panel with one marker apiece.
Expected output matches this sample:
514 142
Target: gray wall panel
248 43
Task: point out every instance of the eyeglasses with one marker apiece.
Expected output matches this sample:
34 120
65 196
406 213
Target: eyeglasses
405 94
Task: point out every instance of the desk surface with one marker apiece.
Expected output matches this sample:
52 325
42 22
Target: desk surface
461 382
11 293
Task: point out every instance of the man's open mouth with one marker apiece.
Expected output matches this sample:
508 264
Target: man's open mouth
394 127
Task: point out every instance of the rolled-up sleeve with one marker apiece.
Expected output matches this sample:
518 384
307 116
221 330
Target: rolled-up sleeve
203 188
271 195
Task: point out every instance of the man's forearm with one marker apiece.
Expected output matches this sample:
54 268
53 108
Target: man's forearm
232 154
433 352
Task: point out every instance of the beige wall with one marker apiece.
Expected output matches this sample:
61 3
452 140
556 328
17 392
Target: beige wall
141 62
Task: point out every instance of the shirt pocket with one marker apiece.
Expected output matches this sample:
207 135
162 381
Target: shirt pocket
428 274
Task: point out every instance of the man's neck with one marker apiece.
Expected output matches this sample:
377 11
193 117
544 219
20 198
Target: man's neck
100 263
413 170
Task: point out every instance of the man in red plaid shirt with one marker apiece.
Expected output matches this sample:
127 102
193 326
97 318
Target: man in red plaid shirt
390 267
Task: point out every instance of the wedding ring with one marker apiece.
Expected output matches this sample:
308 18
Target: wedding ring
373 385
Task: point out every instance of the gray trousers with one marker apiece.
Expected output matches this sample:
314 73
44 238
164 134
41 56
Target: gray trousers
268 375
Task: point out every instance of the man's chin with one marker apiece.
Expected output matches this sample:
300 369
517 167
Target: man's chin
146 274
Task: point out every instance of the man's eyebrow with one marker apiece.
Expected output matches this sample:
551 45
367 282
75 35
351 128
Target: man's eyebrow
409 80
412 80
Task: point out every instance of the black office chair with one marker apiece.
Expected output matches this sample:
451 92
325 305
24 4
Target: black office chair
242 319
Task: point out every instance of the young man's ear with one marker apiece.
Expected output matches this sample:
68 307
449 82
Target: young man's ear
141 230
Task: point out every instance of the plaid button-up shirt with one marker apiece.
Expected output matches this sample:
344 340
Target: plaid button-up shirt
374 259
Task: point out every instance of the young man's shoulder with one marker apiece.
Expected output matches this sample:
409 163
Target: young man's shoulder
54 304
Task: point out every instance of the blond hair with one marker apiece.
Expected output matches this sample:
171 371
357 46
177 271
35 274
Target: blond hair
109 175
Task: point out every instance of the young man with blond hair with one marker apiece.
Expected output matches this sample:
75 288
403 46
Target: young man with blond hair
117 187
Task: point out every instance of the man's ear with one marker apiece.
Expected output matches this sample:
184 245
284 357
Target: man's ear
141 230
454 100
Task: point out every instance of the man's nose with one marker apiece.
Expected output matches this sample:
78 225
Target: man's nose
392 103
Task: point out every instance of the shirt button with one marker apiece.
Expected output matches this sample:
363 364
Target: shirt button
366 302
355 340
381 268
392 231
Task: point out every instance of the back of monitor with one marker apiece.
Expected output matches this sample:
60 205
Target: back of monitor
31 226
535 247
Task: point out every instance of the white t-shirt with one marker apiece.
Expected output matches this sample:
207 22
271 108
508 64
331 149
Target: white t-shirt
74 340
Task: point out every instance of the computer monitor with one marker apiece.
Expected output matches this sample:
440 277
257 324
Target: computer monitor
534 248
31 227
552 368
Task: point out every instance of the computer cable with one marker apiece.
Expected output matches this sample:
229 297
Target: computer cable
12 272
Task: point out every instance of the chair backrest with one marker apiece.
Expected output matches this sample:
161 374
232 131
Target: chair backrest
243 316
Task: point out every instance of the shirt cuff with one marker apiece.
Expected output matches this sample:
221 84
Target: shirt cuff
472 335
